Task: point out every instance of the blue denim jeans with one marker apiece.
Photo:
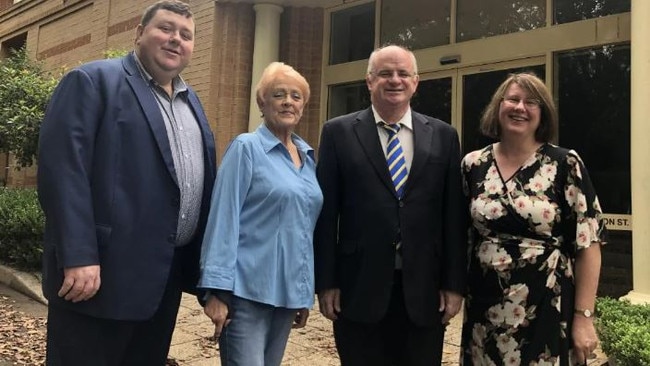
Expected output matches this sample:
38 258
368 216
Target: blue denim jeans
257 334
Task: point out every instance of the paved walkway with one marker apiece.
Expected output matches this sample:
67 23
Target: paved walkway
312 345
192 344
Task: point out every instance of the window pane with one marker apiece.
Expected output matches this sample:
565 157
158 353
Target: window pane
415 24
477 92
352 35
347 98
571 11
594 105
433 98
486 18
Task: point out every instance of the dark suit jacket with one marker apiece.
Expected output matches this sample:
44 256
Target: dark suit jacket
362 216
107 184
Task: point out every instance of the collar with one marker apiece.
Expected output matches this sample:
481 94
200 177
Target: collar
405 121
178 84
270 141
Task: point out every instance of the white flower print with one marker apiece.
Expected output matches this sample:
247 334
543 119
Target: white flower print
501 260
530 250
556 302
512 358
548 171
493 186
511 185
581 203
538 184
584 233
493 173
517 293
543 212
479 333
493 210
496 315
570 194
505 343
552 259
550 280
514 314
473 158
523 205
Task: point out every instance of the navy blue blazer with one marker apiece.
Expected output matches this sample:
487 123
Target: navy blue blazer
354 240
107 185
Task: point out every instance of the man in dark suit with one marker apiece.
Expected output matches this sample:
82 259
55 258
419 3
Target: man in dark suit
390 240
126 167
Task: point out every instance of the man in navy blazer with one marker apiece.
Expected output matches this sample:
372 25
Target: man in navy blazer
126 167
390 263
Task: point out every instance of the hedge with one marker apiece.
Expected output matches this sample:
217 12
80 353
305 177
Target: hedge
21 228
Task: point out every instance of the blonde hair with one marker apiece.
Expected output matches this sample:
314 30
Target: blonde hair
275 70
536 89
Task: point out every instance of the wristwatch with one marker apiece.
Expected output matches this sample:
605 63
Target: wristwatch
584 312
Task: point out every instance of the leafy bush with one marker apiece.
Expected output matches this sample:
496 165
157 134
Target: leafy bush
21 228
624 331
24 92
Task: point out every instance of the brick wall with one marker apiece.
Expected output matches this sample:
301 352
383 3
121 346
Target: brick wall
231 70
302 47
64 35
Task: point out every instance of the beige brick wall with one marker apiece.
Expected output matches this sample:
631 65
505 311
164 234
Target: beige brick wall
65 35
302 47
230 77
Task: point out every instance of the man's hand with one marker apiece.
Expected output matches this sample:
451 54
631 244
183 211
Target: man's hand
450 303
585 339
80 283
301 318
217 311
329 302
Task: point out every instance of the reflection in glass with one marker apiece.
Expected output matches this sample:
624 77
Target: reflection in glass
477 92
352 35
347 98
593 95
415 24
433 98
486 18
571 11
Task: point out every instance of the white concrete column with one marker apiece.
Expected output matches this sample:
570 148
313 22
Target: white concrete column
640 150
265 51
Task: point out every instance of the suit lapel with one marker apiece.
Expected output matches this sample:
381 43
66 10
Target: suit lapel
366 129
151 112
422 135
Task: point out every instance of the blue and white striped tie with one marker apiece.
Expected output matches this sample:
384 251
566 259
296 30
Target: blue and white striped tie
395 158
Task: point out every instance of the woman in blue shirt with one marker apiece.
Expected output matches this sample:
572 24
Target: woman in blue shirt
257 256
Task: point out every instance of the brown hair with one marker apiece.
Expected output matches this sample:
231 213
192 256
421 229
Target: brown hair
536 89
177 7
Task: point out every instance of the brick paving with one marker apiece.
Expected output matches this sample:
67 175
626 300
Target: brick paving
312 345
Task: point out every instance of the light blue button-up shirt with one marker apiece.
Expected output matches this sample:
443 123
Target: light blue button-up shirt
258 240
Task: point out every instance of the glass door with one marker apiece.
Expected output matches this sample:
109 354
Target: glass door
475 89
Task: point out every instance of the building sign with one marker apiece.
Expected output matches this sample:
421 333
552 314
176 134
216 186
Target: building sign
618 222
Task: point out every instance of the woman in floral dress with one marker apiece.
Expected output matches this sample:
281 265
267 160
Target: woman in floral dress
536 236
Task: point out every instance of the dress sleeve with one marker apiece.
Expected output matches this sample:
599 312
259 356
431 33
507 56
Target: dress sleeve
583 202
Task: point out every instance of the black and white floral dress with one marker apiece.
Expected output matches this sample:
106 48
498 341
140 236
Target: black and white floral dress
525 233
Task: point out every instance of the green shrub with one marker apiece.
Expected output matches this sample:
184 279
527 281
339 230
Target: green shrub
21 228
624 331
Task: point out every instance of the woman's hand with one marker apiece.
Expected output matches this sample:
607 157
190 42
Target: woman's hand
217 311
585 339
301 318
